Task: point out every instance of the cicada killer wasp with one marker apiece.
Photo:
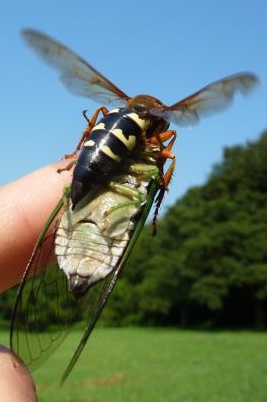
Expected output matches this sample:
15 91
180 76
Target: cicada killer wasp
118 175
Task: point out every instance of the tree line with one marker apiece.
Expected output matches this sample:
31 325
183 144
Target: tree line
208 264
207 267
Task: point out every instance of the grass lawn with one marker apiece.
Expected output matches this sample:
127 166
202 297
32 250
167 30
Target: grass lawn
158 365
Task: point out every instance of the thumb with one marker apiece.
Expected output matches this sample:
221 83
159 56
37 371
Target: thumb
16 383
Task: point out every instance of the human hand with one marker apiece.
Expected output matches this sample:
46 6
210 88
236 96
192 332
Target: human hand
16 383
25 206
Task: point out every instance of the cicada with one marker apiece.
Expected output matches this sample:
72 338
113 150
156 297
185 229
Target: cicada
119 171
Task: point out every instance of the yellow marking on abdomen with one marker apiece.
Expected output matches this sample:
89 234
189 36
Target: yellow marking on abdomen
107 151
99 126
141 122
89 143
129 143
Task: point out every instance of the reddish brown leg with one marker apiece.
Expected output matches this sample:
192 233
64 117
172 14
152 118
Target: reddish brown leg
87 131
165 179
68 167
85 135
162 137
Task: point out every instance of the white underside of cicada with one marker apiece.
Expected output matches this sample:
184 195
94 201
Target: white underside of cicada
91 240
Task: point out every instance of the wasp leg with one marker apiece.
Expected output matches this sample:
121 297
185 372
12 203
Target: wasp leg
87 131
69 166
163 188
165 179
159 139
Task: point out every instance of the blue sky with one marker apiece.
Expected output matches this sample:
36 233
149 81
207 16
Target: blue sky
168 49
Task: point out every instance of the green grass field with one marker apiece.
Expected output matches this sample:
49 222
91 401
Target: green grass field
143 365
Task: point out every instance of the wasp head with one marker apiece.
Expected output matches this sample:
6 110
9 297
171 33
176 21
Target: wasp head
143 105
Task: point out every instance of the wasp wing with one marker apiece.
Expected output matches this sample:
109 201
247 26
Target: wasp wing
212 98
79 77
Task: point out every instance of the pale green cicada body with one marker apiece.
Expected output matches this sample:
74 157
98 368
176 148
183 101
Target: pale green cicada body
91 239
91 245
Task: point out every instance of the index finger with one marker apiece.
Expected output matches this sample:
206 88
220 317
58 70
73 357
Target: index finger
25 206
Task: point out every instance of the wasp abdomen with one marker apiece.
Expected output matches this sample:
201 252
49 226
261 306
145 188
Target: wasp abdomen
114 137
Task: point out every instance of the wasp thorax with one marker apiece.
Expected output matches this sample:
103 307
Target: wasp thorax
143 103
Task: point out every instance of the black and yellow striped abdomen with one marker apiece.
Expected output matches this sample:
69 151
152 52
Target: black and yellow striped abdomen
110 141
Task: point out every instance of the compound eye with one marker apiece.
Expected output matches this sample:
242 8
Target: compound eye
140 108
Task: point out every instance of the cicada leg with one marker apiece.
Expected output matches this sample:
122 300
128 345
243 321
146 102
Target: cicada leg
131 193
144 171
165 178
136 197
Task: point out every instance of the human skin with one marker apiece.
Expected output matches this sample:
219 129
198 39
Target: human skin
25 206
16 383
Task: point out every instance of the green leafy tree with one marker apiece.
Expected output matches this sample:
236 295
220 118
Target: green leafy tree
208 264
211 251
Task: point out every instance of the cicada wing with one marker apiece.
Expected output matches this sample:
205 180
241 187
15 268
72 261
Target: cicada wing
98 296
79 77
44 308
95 300
210 99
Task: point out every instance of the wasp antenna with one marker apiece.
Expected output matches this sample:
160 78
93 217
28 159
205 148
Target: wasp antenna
85 116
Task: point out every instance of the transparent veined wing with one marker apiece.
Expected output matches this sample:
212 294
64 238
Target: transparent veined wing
79 77
39 301
104 289
45 309
210 99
